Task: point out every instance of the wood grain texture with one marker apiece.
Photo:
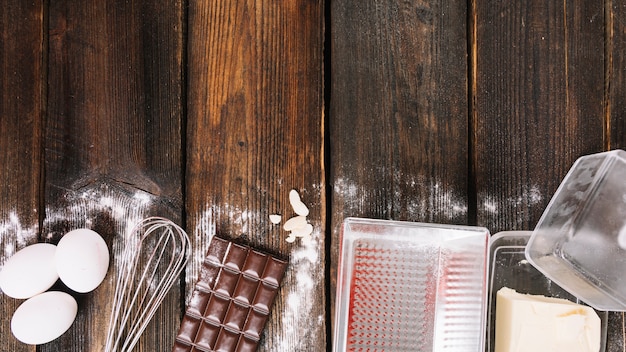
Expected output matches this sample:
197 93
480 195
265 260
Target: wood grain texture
255 131
22 80
113 140
210 112
616 75
538 103
398 113
615 62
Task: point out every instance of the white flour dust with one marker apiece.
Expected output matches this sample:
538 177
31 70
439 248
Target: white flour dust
124 212
529 196
346 189
441 202
84 207
304 278
15 236
239 220
203 230
490 205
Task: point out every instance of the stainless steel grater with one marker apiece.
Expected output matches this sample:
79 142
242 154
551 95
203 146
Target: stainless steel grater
411 287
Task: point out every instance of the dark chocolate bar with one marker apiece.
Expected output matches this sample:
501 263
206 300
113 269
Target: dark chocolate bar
231 300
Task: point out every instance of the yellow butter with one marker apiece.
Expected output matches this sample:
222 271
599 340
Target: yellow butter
531 323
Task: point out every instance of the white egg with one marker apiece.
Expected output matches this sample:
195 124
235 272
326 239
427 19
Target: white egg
29 271
82 260
44 317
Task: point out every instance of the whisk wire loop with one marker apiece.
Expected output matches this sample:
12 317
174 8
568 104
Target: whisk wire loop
155 254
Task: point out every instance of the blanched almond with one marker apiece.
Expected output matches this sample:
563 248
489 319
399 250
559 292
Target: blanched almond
294 223
297 205
275 218
303 231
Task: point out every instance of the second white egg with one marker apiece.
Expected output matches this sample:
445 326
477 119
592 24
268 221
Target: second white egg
82 260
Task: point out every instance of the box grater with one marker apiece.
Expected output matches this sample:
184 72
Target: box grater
406 286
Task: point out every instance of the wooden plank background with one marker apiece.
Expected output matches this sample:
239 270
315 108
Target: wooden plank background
254 132
22 99
113 137
398 114
210 112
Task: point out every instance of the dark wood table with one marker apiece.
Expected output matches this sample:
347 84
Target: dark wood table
210 112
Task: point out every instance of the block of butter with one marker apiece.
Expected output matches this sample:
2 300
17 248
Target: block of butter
532 323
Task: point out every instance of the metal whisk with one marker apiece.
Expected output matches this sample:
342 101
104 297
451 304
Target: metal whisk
154 256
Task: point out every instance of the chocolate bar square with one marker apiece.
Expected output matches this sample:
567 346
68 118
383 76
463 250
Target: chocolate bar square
231 300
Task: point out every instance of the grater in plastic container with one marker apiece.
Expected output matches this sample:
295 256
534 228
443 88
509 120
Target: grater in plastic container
406 286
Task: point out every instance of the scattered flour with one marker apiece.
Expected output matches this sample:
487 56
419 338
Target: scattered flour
346 189
440 204
15 236
530 195
305 280
82 210
84 207
100 205
203 230
534 194
239 220
490 206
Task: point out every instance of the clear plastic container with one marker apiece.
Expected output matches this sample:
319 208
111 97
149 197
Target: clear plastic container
509 267
580 240
406 286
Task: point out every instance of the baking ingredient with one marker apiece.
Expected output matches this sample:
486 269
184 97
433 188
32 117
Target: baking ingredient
296 203
44 317
232 299
301 321
155 254
294 223
300 228
82 260
29 271
303 231
275 219
530 323
298 225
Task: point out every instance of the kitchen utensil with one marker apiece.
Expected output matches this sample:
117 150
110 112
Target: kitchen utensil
155 254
